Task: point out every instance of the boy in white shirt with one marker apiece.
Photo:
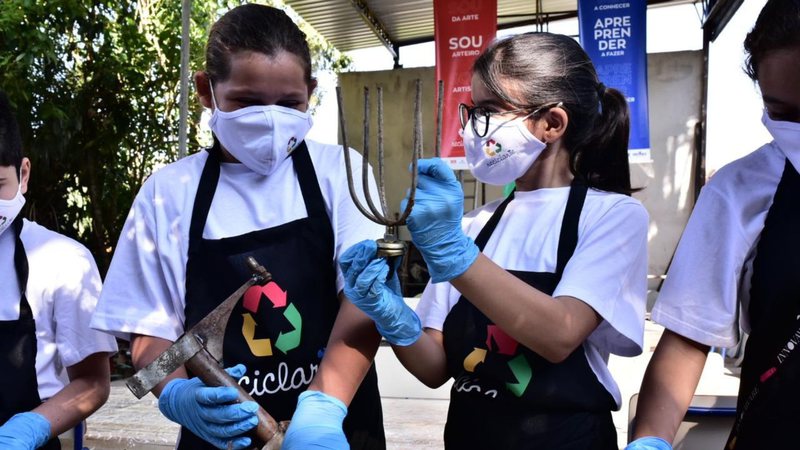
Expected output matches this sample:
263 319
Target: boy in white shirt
53 368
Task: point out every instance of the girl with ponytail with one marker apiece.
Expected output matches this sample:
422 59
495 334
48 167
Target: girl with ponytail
529 294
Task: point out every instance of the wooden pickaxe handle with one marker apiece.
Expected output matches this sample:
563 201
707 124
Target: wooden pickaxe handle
268 433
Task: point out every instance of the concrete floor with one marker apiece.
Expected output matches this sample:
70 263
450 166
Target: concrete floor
130 424
414 414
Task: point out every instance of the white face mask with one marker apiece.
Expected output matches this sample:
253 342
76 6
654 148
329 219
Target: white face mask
260 137
787 136
506 152
9 209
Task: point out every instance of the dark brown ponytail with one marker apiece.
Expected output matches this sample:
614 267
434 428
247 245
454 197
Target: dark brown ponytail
602 158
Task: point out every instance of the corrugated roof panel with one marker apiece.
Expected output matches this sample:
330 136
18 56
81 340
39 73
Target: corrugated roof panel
404 20
338 21
505 7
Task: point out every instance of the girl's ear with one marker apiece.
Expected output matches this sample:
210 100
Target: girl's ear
556 121
312 86
203 88
25 172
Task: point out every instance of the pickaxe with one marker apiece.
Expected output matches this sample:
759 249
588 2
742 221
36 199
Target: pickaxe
200 350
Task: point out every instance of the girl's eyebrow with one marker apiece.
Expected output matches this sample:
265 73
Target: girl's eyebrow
490 103
247 92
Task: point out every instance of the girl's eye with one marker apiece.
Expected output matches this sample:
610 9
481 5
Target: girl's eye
289 104
780 116
244 101
783 112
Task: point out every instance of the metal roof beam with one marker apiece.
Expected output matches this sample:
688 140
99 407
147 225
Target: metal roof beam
375 25
717 14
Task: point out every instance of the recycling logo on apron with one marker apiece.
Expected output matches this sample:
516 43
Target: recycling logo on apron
278 297
498 341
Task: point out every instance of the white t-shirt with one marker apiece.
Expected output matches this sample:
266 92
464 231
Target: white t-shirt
713 262
145 287
63 286
608 270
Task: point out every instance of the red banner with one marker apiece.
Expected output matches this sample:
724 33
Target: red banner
463 29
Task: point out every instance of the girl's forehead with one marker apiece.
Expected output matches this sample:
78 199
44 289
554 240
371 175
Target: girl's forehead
481 94
779 76
8 180
8 171
255 71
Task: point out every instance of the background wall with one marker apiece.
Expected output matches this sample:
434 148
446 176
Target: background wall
675 94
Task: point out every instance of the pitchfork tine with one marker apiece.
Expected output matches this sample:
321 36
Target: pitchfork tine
348 165
417 152
365 162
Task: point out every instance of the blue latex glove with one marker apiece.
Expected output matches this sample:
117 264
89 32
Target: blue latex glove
316 423
435 221
210 412
366 286
649 443
24 431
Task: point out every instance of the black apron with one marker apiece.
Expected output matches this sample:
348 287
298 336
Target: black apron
18 349
506 396
279 332
768 408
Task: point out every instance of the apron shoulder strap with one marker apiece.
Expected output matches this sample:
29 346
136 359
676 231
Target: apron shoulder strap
307 178
568 239
205 195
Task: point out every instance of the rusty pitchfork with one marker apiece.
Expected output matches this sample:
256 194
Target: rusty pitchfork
389 246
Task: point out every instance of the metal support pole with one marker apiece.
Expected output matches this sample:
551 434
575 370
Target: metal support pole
396 57
371 20
183 134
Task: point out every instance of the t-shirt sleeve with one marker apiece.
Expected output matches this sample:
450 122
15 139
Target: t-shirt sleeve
608 271
74 298
136 296
699 297
435 304
350 225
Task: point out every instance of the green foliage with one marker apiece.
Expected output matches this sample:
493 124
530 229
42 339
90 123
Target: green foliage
95 86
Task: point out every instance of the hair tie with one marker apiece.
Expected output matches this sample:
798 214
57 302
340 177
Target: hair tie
601 90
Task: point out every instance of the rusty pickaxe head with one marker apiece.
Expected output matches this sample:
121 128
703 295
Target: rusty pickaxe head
200 350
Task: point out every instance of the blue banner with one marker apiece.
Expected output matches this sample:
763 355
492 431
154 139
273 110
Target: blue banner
613 33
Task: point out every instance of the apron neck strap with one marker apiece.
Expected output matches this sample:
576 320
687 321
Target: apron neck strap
568 238
306 177
20 259
21 267
488 229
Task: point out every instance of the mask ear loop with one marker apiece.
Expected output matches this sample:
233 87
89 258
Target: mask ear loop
216 147
213 98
